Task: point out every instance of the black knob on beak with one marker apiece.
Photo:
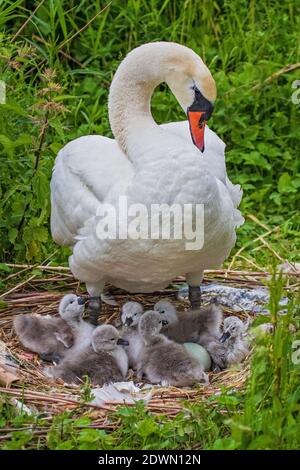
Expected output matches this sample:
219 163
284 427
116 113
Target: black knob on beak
81 300
128 321
164 322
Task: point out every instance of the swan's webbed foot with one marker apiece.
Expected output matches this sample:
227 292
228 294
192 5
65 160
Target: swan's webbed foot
94 309
195 296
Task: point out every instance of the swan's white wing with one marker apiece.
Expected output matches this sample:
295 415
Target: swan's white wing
87 171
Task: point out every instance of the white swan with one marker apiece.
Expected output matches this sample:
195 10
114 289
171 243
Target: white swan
149 164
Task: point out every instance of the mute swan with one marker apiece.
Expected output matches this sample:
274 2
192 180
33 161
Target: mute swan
200 326
71 309
164 361
51 337
233 337
149 164
130 316
103 361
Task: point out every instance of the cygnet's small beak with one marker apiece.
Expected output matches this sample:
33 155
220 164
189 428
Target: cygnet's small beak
164 322
81 300
224 337
123 342
128 321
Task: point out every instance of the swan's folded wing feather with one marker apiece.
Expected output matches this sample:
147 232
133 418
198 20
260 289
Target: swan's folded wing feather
236 192
89 170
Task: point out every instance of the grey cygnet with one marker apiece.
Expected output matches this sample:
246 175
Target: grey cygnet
49 336
164 361
82 330
200 326
131 313
233 338
104 361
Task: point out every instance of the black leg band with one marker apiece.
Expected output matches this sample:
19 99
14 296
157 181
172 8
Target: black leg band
94 309
195 296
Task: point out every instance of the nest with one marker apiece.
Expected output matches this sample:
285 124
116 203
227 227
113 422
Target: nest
42 293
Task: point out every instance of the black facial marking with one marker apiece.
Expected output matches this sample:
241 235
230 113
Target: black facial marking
201 104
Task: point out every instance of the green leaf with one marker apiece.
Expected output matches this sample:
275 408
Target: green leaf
285 184
4 267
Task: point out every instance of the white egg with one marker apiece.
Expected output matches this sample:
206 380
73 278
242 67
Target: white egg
199 353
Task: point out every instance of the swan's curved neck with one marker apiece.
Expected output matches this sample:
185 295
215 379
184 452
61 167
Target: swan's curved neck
130 99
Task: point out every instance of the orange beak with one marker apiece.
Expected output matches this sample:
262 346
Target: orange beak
197 126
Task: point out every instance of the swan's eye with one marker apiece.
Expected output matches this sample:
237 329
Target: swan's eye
162 311
196 90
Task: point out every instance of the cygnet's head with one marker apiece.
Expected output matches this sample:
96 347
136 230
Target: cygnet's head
166 310
131 313
150 324
232 328
107 338
71 307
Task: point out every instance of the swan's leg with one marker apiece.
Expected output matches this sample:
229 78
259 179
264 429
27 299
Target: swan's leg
194 280
94 301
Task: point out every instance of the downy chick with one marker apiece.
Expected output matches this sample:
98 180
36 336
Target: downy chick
81 329
103 361
200 326
233 338
131 313
50 337
164 361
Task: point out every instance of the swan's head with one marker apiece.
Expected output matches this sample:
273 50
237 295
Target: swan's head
150 324
232 328
131 313
71 307
166 310
106 338
144 68
194 87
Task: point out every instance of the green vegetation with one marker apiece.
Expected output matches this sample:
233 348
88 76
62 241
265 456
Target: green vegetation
57 70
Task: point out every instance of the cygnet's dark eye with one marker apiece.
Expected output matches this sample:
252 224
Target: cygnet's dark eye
71 301
113 339
162 311
135 314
